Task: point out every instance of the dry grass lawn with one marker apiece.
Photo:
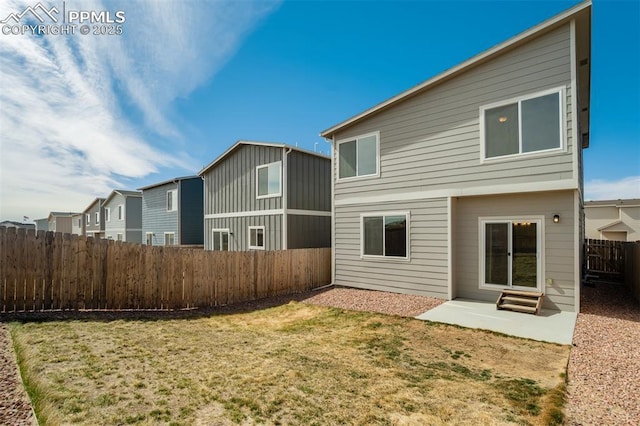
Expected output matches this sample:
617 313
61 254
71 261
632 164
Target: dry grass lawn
291 364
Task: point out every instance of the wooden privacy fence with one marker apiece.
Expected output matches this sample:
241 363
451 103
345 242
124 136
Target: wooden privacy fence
605 258
51 271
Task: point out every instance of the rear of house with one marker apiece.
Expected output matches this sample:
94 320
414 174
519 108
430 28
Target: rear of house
617 220
94 220
172 212
61 222
123 216
471 182
267 196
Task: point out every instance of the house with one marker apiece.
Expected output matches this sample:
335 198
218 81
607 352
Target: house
172 212
617 220
61 222
470 183
77 224
42 224
17 225
123 216
94 220
267 196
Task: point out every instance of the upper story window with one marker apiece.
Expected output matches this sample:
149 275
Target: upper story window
107 214
172 200
88 219
97 218
359 156
269 180
522 126
121 212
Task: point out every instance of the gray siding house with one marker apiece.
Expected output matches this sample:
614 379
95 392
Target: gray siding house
94 220
172 212
470 183
267 196
61 222
123 216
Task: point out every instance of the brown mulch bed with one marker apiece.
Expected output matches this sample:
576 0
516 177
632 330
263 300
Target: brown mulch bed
603 371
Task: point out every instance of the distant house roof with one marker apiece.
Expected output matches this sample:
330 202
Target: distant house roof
125 193
174 180
16 224
629 202
617 226
481 58
272 144
61 214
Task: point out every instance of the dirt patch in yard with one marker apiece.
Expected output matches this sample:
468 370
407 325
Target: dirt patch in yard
295 363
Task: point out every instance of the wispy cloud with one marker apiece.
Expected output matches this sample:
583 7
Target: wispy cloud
628 187
79 115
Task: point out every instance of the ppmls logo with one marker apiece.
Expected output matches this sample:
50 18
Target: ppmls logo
52 22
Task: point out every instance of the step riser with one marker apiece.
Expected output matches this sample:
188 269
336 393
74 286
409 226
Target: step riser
519 301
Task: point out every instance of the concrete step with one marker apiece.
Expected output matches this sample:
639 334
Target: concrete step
519 308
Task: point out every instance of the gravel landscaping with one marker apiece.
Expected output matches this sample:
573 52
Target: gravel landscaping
603 371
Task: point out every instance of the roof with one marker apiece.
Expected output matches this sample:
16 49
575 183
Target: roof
483 57
240 143
16 224
174 180
101 200
617 226
629 202
62 214
125 193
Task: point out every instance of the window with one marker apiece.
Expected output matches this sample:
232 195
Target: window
268 181
256 237
119 237
97 218
88 219
510 253
121 212
385 235
149 238
220 240
107 214
527 125
79 223
172 200
169 238
358 157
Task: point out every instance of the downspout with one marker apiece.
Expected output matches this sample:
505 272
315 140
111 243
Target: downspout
333 215
285 200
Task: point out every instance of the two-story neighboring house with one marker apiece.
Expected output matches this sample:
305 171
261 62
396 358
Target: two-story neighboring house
470 183
617 220
123 216
61 222
94 220
172 212
267 196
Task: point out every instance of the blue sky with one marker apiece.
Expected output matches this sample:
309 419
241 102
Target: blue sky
81 115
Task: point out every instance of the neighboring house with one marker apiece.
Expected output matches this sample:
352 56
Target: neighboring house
17 225
61 222
617 220
94 220
470 183
267 196
77 224
123 216
172 212
42 224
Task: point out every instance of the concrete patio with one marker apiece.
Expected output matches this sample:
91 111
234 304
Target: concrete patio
548 326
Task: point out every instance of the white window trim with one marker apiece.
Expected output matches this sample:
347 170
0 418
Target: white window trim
264 238
97 218
214 230
279 194
123 214
174 200
386 258
88 217
563 124
119 236
107 214
356 138
540 251
146 238
174 239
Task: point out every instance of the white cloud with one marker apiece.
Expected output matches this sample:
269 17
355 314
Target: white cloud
66 132
597 189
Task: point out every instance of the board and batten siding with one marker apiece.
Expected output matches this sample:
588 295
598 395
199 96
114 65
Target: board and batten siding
231 184
308 231
191 211
155 217
239 228
431 141
309 182
558 239
425 273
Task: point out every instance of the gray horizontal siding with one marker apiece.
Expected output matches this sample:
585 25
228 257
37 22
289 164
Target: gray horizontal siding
239 228
155 217
426 271
432 140
91 227
560 256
